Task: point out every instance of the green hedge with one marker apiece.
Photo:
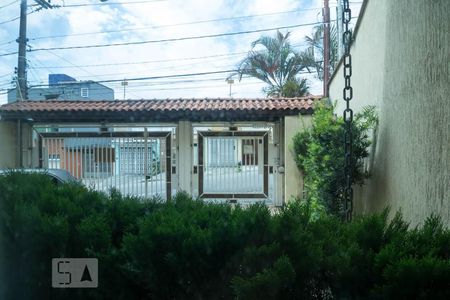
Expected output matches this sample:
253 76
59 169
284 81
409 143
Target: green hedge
188 249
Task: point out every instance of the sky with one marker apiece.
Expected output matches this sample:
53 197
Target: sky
91 22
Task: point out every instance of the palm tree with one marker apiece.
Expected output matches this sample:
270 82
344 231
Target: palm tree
313 55
295 88
276 63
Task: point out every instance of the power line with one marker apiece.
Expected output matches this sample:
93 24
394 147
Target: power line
6 43
175 39
225 85
163 26
156 27
105 3
66 60
194 87
171 25
4 75
8 53
151 61
16 18
49 68
134 72
154 77
10 20
170 40
10 3
173 67
154 83
145 62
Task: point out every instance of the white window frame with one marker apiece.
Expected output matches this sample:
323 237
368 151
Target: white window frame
84 92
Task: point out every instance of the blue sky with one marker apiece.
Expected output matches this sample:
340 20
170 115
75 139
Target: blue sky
152 20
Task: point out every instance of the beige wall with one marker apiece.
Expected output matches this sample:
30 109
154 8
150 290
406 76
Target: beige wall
401 64
184 134
293 183
8 145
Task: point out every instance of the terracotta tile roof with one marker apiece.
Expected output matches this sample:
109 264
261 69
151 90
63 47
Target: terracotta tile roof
164 105
186 107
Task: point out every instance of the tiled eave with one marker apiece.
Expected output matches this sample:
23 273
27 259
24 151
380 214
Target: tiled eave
158 110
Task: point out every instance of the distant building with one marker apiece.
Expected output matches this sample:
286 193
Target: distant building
64 87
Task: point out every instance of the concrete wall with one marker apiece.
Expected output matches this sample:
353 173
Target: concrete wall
293 183
401 64
184 146
8 145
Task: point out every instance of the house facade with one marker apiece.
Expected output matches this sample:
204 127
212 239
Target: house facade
64 87
215 149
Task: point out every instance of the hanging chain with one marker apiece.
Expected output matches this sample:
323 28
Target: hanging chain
348 113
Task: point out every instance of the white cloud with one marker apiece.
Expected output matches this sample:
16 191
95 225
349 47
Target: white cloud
157 15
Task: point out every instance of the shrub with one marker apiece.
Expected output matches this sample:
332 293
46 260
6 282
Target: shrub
320 155
189 249
40 221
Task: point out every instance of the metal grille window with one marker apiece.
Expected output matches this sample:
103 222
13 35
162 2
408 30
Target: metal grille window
135 163
233 165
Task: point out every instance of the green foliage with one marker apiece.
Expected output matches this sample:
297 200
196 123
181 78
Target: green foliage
190 249
320 155
293 88
274 61
313 54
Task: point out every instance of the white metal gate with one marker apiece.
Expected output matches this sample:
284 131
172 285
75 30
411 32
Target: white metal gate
233 165
135 163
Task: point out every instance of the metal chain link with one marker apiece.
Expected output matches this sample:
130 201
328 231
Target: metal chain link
348 112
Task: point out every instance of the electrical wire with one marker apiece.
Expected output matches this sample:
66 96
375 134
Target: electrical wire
157 77
170 25
154 61
68 61
169 40
146 62
106 3
10 3
156 27
175 39
4 75
16 18
160 77
10 20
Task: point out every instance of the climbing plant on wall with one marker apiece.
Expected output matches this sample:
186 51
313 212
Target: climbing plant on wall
320 155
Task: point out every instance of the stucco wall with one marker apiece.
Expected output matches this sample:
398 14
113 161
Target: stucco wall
8 146
293 183
401 64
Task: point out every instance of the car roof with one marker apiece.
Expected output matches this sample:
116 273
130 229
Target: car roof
60 174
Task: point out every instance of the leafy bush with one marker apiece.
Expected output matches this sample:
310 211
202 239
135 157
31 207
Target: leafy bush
320 155
189 249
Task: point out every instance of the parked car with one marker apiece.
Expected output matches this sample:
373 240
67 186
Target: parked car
58 176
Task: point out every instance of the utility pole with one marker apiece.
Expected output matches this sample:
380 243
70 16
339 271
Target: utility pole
22 90
326 47
22 85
